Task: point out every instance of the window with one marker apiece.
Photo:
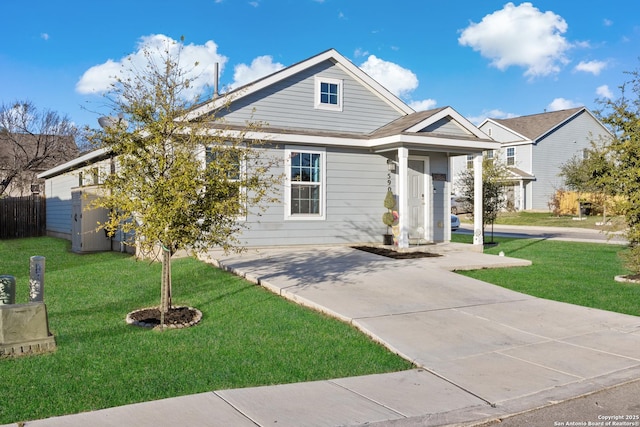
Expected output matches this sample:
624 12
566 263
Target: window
490 155
511 156
305 194
470 161
227 162
328 94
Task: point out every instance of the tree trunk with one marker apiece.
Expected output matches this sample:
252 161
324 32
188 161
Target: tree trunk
165 288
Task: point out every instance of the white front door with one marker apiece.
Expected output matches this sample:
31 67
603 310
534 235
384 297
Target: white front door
417 198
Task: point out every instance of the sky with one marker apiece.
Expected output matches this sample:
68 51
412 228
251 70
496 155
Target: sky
484 58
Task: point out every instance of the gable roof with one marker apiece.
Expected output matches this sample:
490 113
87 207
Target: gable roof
420 121
328 55
534 126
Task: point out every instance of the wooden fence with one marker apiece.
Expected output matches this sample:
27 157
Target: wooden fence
22 217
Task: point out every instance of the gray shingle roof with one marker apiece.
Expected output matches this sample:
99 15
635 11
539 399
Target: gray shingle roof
536 125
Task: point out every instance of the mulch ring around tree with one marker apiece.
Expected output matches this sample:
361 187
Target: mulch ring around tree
629 278
175 318
390 253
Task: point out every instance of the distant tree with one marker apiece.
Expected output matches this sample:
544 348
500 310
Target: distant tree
494 180
177 184
31 141
622 116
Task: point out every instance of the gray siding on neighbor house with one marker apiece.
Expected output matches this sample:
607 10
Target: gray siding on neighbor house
550 152
356 184
290 104
499 133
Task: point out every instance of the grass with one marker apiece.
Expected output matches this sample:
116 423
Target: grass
547 219
247 337
572 272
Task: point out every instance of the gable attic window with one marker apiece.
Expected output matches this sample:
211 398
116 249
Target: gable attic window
328 94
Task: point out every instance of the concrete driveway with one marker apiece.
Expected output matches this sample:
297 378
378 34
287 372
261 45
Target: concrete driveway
492 351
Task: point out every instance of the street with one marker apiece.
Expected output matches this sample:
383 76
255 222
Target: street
549 233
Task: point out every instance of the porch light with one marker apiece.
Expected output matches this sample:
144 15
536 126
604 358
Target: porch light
391 165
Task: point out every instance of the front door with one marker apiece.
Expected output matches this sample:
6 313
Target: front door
417 203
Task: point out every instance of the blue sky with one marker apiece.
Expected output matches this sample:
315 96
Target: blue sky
484 58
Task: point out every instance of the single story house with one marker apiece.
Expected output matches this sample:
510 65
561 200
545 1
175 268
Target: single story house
350 138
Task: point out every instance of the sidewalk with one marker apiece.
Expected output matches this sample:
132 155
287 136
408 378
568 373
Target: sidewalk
482 352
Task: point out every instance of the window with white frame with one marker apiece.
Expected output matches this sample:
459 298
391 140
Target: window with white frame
328 94
490 155
305 194
470 161
511 156
228 162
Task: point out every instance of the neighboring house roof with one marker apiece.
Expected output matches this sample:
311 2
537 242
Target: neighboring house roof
535 126
520 174
52 149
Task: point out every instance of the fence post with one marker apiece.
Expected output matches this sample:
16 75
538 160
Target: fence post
7 290
36 279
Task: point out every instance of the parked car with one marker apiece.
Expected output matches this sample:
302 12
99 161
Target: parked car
459 205
455 222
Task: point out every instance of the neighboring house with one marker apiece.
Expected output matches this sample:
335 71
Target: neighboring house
24 156
534 148
342 140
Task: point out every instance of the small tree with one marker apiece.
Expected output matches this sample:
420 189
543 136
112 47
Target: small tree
177 184
623 118
494 180
31 141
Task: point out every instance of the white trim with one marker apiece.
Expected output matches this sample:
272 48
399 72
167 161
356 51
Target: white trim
288 149
318 104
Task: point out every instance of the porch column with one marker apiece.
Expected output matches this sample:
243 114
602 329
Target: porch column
477 200
403 197
522 198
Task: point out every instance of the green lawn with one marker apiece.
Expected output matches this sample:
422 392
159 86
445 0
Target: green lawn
247 337
547 219
577 273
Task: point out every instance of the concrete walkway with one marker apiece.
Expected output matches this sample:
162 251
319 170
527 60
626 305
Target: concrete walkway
482 352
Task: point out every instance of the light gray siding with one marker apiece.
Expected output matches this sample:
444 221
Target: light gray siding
356 184
291 104
499 133
550 152
58 195
446 126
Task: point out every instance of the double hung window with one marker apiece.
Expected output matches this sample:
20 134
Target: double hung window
305 195
511 156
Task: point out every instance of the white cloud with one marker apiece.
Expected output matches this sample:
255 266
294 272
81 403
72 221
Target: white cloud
396 79
260 67
425 104
561 104
593 67
604 92
99 78
520 36
44 36
359 52
490 114
607 22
